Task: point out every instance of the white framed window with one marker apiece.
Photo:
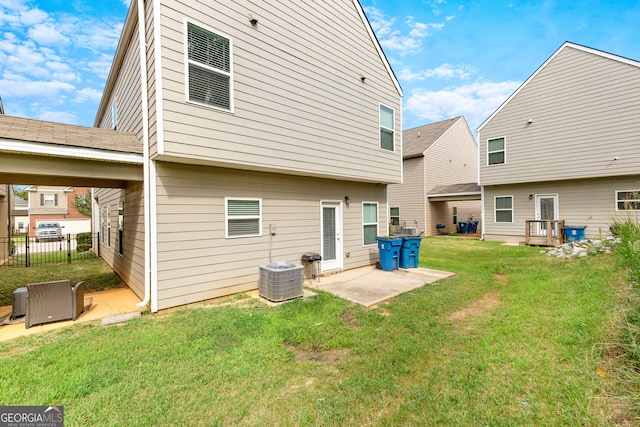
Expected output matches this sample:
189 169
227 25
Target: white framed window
48 200
243 217
369 223
102 224
394 216
496 151
455 215
628 200
108 227
114 115
387 127
503 208
209 67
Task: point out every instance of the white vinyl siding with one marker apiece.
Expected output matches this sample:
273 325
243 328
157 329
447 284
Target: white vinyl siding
209 67
503 208
196 262
496 151
583 109
628 200
243 217
130 265
369 223
290 84
387 127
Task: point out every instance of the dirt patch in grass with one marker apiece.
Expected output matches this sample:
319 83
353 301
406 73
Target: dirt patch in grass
479 307
320 356
500 278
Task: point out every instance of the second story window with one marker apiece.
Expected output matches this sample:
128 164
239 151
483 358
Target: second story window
387 127
495 151
48 200
209 68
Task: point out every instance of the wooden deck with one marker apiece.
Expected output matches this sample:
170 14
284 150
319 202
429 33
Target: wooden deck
544 232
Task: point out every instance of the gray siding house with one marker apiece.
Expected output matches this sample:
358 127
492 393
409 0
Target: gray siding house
440 163
269 129
564 146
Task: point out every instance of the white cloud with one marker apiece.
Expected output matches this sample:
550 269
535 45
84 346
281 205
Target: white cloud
396 40
13 86
475 101
88 94
58 116
99 36
100 66
33 17
46 34
444 71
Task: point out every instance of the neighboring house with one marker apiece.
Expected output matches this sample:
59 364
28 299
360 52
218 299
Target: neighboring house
440 179
270 129
48 203
564 146
19 214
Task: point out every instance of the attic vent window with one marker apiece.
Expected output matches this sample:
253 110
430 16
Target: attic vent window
209 80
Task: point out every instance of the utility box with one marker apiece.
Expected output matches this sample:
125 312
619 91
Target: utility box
280 281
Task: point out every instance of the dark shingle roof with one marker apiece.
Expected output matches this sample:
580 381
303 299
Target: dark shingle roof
415 141
467 188
23 129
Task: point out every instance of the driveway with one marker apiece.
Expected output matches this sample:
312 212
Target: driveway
369 286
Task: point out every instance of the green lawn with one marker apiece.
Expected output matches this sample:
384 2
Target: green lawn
515 338
96 275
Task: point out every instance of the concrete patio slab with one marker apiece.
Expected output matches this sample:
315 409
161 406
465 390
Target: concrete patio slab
369 286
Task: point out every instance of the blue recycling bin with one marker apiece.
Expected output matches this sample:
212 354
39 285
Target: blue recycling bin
462 226
389 248
574 233
410 251
472 227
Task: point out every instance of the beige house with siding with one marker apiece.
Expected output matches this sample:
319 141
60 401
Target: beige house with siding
269 130
440 163
564 146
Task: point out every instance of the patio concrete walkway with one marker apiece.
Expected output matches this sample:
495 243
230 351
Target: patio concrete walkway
369 286
105 303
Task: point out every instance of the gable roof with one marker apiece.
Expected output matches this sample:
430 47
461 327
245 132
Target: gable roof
416 141
566 45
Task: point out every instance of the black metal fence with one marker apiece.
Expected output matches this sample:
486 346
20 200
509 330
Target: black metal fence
24 251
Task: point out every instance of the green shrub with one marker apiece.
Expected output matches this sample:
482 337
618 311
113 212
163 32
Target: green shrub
83 239
628 230
83 247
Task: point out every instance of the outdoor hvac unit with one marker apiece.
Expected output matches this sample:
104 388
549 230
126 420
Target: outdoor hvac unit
280 281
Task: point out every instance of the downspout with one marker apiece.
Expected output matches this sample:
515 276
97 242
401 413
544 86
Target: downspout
145 151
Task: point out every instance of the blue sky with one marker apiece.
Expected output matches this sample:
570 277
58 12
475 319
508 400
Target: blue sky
451 57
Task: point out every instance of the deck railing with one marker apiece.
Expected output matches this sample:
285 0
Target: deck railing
544 232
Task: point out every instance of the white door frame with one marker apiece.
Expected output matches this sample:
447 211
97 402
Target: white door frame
542 227
338 262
